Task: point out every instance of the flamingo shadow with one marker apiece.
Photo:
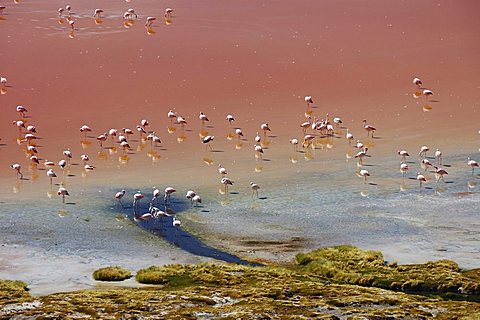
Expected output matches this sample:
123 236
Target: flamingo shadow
216 150
373 184
184 240
263 198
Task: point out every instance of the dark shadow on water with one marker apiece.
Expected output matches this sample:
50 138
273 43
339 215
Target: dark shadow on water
263 198
217 151
372 184
233 192
163 227
71 203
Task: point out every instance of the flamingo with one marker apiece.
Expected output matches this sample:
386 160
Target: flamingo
98 13
176 224
62 163
295 144
222 170
226 182
156 194
190 194
112 133
150 21
307 140
364 173
196 199
22 110
168 13
404 155
119 195
136 197
417 82
122 138
68 8
31 129
254 188
171 115
258 138
60 11
472 163
230 119
203 117
31 150
421 179
88 167
349 137
359 145
181 121
132 13
427 93
168 192
403 169
258 151
338 121
34 160
141 131
127 131
47 163
425 163
308 100
125 146
17 168
20 124
207 141
72 24
423 151
360 155
438 156
101 139
305 125
239 133
368 128
62 192
265 128
67 153
84 158
440 173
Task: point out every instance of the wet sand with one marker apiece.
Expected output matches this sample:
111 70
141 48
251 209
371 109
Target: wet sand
256 61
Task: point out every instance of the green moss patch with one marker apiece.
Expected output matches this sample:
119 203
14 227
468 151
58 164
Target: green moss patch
347 264
111 274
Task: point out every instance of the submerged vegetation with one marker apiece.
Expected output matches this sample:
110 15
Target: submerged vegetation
112 274
330 283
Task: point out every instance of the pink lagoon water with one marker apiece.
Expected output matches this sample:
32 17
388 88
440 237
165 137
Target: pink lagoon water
256 60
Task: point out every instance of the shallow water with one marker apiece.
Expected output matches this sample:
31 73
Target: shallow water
256 61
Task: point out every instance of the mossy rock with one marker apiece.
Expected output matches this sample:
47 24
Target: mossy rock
113 273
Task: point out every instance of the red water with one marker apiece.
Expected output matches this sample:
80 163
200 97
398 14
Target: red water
253 59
